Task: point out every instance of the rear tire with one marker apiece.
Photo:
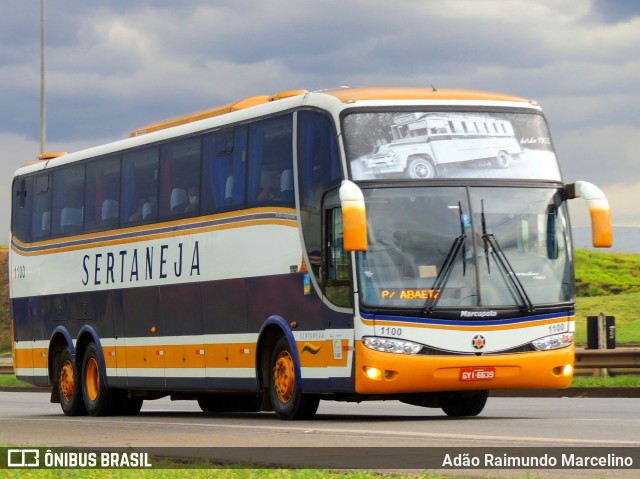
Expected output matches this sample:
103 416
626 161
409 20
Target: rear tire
98 399
69 387
464 404
421 169
287 400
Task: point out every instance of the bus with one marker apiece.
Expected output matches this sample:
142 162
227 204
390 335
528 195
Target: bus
243 257
423 142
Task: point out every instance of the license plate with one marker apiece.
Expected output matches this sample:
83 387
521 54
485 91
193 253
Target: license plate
477 374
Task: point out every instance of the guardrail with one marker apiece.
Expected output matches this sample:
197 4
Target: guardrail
6 369
624 358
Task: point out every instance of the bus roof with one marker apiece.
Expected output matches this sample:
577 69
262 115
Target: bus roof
215 111
345 95
351 95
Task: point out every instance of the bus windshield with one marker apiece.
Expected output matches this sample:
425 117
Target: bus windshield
465 247
427 144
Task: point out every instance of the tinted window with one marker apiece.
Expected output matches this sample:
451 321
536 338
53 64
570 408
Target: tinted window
180 183
224 169
68 200
41 212
139 201
271 162
102 196
21 208
318 171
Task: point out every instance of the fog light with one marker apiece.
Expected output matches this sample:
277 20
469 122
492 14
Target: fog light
373 373
568 370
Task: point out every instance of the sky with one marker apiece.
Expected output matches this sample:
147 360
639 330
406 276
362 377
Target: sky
114 65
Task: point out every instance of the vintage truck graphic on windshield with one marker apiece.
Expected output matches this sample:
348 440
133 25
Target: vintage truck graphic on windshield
422 142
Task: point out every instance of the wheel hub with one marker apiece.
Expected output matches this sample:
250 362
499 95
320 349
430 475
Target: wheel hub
67 381
284 377
92 379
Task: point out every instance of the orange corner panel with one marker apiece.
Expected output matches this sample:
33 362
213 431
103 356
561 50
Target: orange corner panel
421 373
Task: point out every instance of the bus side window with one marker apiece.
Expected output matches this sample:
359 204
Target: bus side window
102 194
180 178
271 161
139 190
41 210
319 170
68 200
223 169
21 208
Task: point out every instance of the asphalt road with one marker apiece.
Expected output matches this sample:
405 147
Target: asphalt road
29 419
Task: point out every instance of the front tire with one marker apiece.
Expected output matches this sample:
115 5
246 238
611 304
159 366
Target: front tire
502 160
287 400
464 404
69 388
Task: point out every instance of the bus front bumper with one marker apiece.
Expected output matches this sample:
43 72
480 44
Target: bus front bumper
388 373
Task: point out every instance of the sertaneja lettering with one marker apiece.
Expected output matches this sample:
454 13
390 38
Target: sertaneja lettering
130 266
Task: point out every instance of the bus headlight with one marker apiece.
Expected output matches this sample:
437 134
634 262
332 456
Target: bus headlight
388 345
553 342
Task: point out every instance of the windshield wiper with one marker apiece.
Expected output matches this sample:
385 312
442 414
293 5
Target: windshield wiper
459 244
490 240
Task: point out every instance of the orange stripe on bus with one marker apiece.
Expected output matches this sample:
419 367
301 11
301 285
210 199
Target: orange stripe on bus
233 355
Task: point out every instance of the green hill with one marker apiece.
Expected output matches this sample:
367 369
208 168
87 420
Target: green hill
603 274
608 283
605 282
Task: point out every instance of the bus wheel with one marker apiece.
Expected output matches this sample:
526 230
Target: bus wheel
287 400
98 400
502 160
69 389
421 168
464 404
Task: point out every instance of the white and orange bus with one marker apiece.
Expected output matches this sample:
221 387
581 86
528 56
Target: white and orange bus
245 258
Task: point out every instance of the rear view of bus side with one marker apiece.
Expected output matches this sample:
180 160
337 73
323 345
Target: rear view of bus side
348 244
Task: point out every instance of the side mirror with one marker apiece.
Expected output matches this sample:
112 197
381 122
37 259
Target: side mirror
601 229
354 217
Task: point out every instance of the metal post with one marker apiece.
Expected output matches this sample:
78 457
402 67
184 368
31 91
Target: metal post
602 339
43 104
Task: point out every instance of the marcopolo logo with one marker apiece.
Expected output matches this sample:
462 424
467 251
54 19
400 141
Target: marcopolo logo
478 314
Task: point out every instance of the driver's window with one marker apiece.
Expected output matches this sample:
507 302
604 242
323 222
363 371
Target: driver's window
337 285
